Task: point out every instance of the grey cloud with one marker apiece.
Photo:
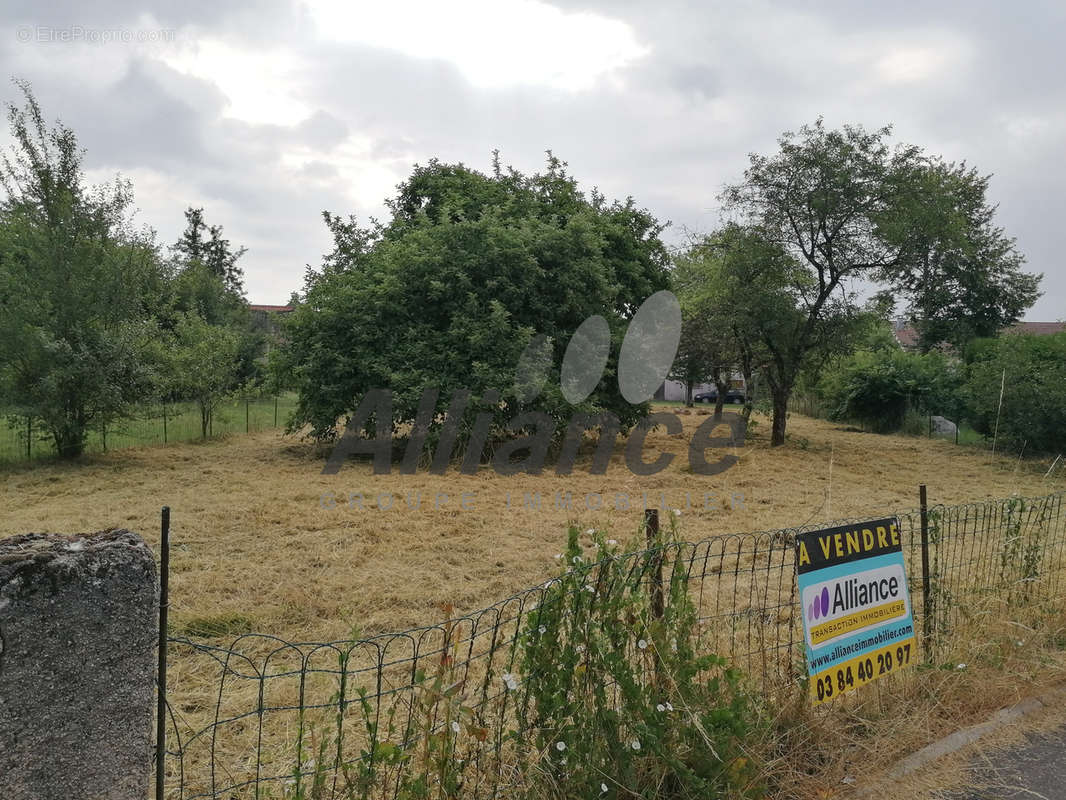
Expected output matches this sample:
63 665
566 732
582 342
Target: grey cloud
719 81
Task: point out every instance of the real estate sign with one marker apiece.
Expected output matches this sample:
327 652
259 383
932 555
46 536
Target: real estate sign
857 622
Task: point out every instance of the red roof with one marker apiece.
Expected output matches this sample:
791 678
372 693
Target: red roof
907 336
270 309
1038 328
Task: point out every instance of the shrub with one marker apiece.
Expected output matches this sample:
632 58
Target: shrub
619 702
877 388
1032 370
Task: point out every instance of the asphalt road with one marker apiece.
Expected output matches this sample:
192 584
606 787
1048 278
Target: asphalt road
1033 771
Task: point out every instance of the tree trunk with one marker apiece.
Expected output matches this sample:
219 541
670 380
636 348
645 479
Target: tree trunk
69 445
69 439
205 420
777 435
748 389
688 393
716 376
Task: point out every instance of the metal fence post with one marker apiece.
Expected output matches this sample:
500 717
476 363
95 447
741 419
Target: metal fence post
927 601
161 693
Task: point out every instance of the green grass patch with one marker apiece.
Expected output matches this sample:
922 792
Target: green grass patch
155 424
216 625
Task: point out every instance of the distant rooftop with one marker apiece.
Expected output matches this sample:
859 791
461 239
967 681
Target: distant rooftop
269 308
907 336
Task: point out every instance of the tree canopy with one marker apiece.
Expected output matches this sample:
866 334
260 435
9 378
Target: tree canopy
844 206
76 282
449 294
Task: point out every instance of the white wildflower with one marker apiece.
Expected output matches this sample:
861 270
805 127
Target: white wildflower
560 746
612 542
541 629
961 666
562 762
669 707
579 648
660 708
677 512
673 645
577 559
635 744
510 681
603 788
455 727
558 556
642 644
590 531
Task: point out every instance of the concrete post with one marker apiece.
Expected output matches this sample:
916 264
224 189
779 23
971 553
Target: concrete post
77 644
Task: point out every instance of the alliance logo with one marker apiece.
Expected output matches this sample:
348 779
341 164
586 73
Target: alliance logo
819 606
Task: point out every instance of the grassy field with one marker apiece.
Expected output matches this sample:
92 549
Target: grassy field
262 541
265 541
157 424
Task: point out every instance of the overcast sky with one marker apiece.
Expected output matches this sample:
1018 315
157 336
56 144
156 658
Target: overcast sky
267 113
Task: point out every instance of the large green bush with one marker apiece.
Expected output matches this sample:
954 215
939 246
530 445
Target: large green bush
450 292
1032 372
878 387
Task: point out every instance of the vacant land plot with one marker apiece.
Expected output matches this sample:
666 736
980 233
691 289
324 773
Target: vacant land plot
264 542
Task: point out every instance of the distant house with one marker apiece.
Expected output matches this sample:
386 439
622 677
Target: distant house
907 336
267 310
674 391
267 318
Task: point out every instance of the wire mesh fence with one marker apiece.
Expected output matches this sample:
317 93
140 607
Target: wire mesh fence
261 717
25 439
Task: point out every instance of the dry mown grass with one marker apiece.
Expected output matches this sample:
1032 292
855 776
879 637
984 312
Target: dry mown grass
997 657
255 549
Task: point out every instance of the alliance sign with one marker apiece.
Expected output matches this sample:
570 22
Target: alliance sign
857 621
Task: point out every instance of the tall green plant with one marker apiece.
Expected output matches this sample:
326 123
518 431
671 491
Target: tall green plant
618 700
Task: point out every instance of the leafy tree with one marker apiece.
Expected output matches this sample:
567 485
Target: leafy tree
847 207
763 288
205 280
204 365
961 275
709 348
1032 370
697 358
451 291
203 244
77 287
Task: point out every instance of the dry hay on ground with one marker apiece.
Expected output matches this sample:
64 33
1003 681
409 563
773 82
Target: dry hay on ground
255 549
